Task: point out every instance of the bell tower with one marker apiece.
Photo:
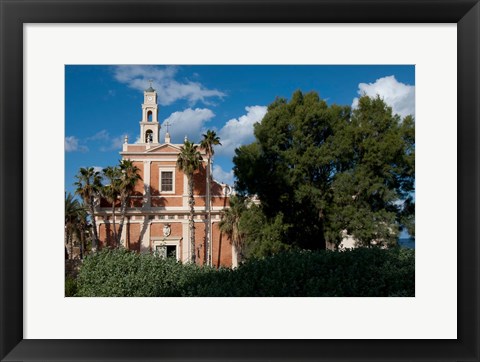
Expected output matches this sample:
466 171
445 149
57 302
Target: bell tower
149 126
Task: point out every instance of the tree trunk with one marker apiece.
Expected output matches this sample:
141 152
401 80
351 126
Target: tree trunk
82 242
115 239
67 233
321 217
191 223
123 211
71 244
94 226
208 234
239 245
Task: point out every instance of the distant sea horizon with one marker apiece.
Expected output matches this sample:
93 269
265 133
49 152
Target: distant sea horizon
408 243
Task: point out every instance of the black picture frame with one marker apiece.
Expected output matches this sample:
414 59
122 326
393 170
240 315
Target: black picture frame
16 13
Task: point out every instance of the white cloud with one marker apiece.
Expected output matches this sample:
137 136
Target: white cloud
399 96
114 144
239 131
107 142
223 176
72 145
98 169
168 88
99 136
189 122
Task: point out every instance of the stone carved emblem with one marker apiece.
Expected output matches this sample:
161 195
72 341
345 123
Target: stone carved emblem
166 230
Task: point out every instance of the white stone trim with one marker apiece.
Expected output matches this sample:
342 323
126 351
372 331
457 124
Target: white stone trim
185 194
234 257
151 221
178 196
146 182
123 237
171 196
104 212
143 153
173 215
178 211
167 196
145 242
186 242
165 145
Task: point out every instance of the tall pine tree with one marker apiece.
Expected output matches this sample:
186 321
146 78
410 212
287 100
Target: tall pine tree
329 170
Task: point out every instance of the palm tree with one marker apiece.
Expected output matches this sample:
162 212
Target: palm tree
71 218
82 227
111 193
209 140
189 161
230 222
129 176
88 188
76 222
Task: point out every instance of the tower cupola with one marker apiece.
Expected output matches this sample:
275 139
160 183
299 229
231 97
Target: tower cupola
149 126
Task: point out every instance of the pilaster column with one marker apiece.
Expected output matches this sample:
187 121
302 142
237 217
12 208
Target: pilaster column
146 182
145 243
234 257
185 192
123 237
185 242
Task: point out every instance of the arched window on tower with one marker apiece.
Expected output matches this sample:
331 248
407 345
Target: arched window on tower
149 136
149 116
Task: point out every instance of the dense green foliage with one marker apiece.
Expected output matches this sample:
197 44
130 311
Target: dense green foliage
230 223
324 170
122 273
76 224
121 181
364 272
209 140
88 186
189 161
129 176
262 236
70 287
111 192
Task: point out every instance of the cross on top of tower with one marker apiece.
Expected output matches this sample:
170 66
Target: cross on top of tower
167 135
150 89
166 124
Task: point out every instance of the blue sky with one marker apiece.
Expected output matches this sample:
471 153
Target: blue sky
103 103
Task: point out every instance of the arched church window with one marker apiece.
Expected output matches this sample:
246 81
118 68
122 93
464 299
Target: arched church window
149 116
149 136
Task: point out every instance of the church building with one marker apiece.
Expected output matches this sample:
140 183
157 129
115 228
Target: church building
157 219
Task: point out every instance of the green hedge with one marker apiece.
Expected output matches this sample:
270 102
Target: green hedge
70 287
360 272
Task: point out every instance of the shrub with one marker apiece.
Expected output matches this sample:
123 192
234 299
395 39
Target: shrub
122 273
70 287
360 272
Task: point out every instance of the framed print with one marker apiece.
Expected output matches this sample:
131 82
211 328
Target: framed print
43 40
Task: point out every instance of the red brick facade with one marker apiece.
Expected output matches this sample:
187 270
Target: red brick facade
158 220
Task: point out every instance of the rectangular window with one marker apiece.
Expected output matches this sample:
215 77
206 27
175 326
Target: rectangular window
166 251
167 181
